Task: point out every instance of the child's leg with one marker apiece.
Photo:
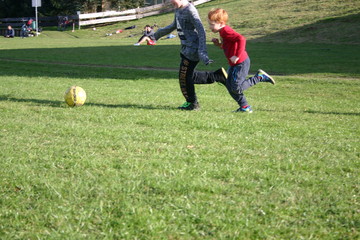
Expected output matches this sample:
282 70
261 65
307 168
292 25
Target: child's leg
202 77
239 98
237 77
247 83
186 80
141 38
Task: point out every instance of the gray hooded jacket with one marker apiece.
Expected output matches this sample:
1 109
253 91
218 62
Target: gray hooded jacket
190 31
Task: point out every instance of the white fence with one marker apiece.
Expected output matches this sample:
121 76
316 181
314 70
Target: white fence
132 14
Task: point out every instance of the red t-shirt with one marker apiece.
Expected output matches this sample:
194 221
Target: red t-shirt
233 44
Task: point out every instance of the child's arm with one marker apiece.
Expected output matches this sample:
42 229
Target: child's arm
195 19
217 42
240 41
164 31
234 59
240 50
241 46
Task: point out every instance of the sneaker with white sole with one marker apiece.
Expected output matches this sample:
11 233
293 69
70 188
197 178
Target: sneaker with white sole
265 77
244 109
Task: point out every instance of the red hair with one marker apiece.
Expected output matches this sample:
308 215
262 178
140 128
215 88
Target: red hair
218 15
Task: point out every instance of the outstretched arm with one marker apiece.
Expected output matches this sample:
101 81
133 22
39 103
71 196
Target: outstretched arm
164 31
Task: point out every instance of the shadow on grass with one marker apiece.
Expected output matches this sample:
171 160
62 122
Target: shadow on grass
162 61
148 107
5 98
61 104
115 62
40 68
332 113
338 30
313 112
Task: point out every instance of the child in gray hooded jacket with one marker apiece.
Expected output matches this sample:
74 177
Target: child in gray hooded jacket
193 49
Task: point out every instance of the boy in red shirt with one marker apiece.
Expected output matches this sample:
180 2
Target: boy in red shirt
234 46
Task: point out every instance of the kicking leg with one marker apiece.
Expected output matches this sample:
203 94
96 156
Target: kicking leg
202 77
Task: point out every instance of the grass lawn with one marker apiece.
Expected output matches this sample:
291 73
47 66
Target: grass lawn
129 165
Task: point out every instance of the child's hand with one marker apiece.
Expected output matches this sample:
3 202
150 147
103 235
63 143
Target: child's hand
209 62
234 59
216 42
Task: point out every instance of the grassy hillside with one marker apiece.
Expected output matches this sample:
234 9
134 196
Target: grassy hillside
294 21
272 28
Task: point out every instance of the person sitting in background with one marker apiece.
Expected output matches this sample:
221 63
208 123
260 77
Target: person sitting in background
10 33
63 22
28 28
148 36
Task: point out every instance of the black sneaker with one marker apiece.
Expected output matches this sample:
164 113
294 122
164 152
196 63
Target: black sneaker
189 106
221 76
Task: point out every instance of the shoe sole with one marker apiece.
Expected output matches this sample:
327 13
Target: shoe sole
242 112
263 72
246 111
224 72
239 111
187 109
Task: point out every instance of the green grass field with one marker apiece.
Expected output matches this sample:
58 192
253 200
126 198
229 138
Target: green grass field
129 165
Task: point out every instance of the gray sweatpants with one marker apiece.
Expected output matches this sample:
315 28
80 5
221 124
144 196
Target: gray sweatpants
237 81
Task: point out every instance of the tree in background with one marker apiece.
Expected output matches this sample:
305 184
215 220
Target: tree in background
127 4
59 7
23 8
10 8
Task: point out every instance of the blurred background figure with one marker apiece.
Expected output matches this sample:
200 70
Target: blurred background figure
10 33
148 36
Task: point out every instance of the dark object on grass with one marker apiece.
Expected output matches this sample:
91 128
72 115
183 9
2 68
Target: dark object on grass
131 27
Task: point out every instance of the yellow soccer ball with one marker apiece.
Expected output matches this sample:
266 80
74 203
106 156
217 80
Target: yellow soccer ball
75 96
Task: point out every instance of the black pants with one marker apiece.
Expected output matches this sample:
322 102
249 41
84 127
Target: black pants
188 77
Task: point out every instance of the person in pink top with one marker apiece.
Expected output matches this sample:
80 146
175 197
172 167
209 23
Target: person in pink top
234 46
